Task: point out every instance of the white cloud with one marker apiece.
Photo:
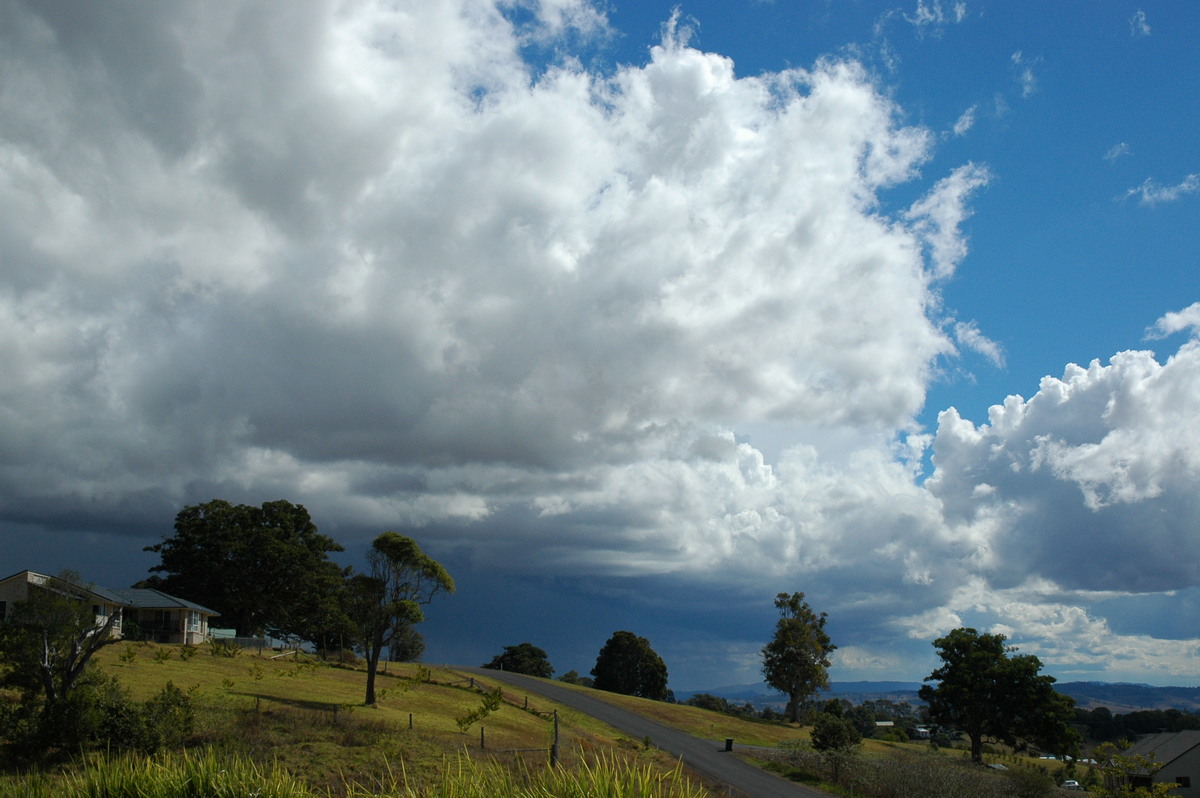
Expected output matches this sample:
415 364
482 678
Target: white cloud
939 215
365 257
1117 151
1041 619
966 121
932 15
927 13
968 335
1025 76
365 249
1176 321
1150 192
1138 26
1088 483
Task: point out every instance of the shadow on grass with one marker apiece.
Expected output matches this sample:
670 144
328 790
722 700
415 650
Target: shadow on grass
264 700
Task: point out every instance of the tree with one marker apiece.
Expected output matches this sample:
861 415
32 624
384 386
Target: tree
387 601
1126 775
573 677
836 739
524 658
712 703
796 661
407 644
628 665
50 637
263 568
985 689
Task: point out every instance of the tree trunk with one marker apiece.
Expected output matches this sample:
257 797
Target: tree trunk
372 663
976 747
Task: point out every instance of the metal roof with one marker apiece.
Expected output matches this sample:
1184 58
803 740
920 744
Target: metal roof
135 597
144 598
1166 747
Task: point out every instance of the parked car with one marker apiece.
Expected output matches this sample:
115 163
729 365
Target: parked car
1071 784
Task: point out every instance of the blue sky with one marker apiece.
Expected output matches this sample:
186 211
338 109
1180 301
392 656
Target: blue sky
634 314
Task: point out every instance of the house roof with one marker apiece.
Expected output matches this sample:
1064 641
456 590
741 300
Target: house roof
144 598
1165 747
44 579
137 598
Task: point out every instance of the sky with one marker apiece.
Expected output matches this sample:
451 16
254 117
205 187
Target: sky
633 314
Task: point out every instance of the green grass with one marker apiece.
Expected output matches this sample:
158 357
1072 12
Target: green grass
308 718
206 775
705 723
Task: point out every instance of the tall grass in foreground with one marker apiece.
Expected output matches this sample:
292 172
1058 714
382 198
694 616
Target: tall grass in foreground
606 778
205 775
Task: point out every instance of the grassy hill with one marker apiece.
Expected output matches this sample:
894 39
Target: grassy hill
305 719
309 717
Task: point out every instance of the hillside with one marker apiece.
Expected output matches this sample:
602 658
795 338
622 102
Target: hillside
309 717
1122 698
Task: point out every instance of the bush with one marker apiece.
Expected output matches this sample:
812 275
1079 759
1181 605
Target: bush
170 717
909 776
223 648
99 713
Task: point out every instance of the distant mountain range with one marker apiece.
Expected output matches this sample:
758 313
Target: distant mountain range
1120 698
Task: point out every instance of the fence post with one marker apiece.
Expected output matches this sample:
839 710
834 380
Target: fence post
554 745
482 742
410 721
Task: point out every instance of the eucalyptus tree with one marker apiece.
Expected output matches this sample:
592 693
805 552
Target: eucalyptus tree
796 661
384 603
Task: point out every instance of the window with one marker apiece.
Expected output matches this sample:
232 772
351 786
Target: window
193 621
1183 781
3 610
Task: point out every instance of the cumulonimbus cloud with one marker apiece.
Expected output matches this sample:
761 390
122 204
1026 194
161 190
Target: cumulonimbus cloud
369 257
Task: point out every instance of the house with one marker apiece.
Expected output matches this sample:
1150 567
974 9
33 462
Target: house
1178 753
141 614
16 588
162 618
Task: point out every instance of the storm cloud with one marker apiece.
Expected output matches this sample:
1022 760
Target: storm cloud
415 266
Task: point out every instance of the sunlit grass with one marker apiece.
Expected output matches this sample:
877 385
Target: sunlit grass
703 723
206 775
309 717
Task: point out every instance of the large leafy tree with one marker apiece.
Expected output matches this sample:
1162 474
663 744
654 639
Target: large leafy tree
386 601
627 664
524 658
265 569
796 661
987 690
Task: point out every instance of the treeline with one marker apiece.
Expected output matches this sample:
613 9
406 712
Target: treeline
865 717
1102 725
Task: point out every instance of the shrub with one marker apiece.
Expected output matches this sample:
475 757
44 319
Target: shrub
223 648
170 717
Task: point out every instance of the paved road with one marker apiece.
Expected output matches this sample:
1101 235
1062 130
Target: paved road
706 756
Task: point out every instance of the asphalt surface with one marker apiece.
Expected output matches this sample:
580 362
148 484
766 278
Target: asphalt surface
704 756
